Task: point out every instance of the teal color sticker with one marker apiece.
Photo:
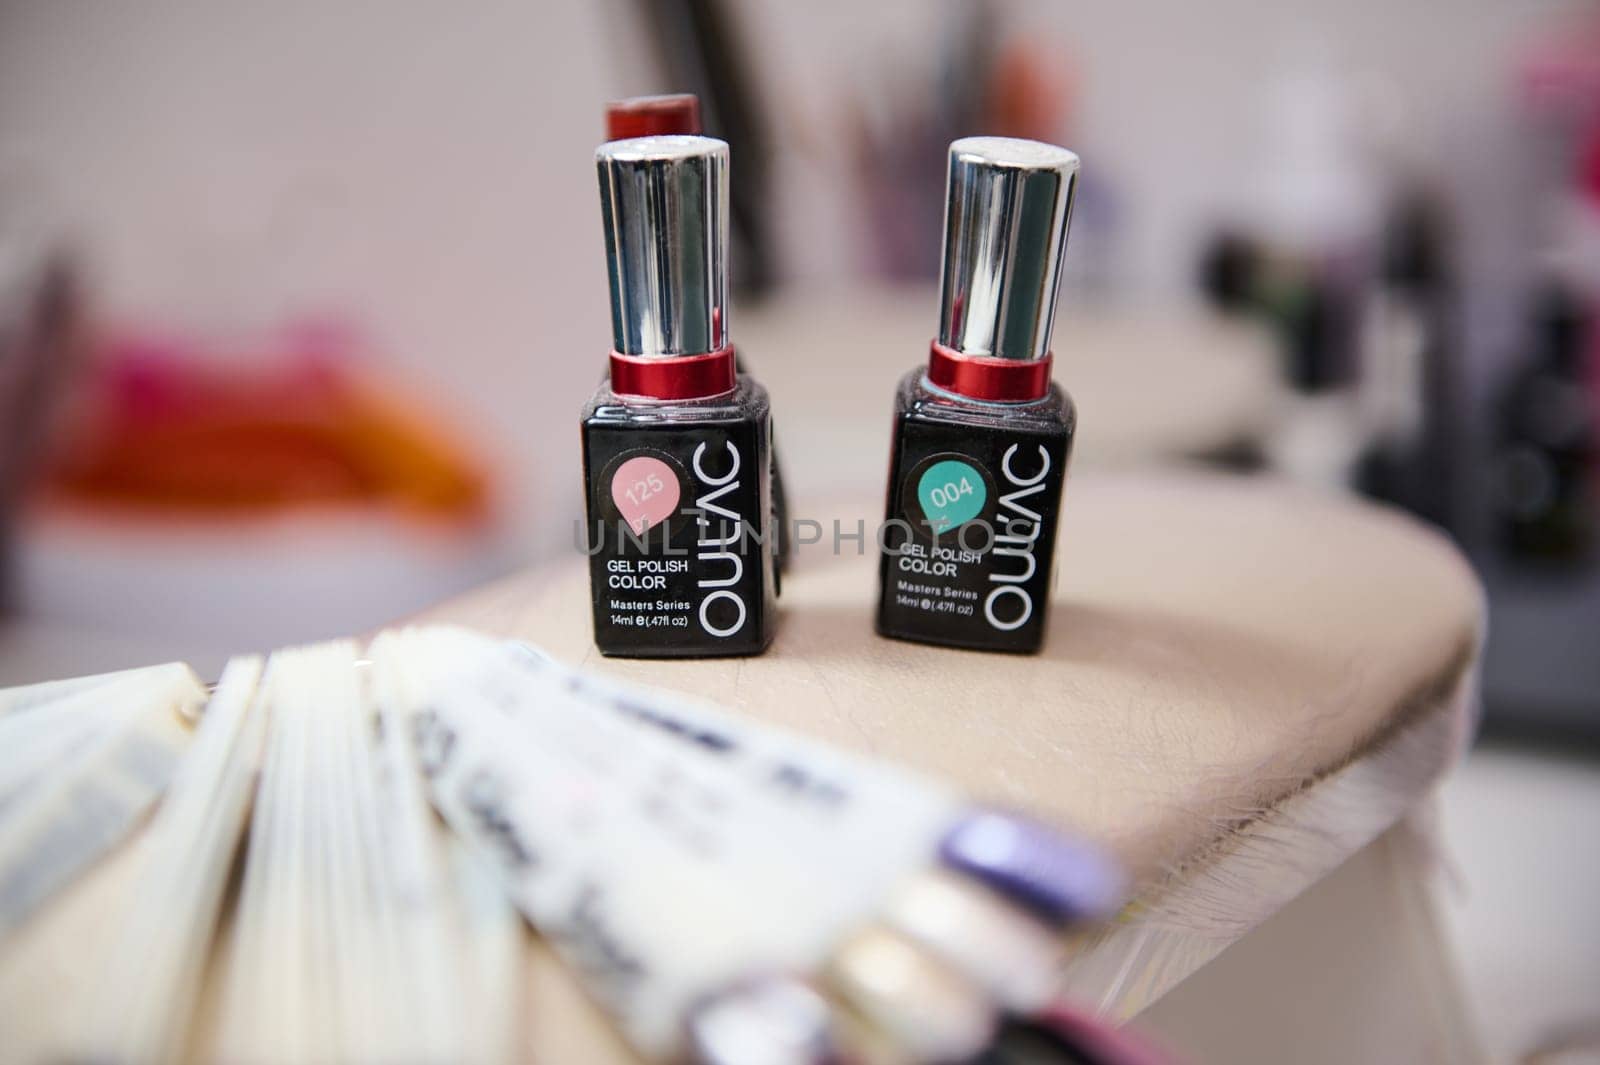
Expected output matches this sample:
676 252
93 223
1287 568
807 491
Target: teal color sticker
951 493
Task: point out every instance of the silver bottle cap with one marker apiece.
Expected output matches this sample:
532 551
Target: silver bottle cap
665 206
1007 206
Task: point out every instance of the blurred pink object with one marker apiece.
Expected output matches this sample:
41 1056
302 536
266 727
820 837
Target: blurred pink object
300 418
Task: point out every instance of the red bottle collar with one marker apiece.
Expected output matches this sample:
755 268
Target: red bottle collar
676 377
982 377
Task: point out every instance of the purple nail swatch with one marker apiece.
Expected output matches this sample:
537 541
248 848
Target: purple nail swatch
1059 878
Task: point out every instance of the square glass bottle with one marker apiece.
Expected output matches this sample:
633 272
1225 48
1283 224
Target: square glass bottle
677 446
982 435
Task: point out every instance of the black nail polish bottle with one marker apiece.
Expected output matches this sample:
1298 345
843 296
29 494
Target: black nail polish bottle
981 434
676 444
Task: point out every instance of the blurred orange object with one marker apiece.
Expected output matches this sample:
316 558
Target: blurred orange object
161 429
1031 90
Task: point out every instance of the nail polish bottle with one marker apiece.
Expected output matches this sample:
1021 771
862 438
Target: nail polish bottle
645 116
676 443
981 434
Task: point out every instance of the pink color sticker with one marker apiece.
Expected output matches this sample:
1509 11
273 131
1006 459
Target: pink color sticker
646 491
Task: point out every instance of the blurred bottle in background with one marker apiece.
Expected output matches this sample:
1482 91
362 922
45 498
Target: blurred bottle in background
1535 499
1347 251
1409 392
42 341
1544 463
1303 255
701 50
1544 485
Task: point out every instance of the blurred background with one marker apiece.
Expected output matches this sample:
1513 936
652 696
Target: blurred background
298 304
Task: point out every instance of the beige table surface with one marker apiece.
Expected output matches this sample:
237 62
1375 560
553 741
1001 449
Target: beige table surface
1243 686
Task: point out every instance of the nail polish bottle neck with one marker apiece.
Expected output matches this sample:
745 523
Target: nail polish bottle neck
674 377
988 379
